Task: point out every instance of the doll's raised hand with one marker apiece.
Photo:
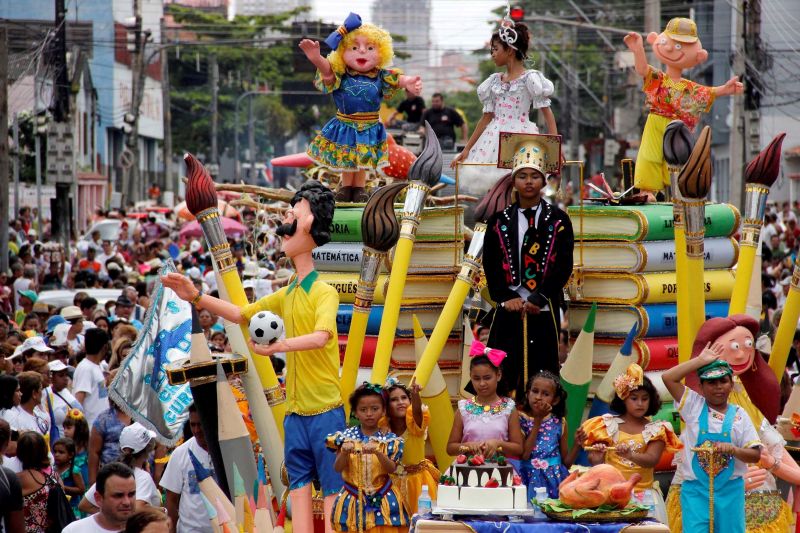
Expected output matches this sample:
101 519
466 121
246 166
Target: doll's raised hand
732 86
412 84
311 49
634 41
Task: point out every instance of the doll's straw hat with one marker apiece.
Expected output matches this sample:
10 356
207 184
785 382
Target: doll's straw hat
530 150
682 30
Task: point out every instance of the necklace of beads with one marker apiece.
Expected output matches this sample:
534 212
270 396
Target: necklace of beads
475 408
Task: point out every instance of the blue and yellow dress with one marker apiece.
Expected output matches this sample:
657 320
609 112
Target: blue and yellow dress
355 138
368 501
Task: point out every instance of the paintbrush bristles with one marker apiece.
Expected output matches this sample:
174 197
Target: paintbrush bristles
677 143
379 226
428 166
200 191
694 180
498 197
764 169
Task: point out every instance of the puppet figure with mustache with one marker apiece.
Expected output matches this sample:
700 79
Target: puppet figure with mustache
308 308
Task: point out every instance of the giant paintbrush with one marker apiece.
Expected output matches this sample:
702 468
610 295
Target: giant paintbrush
423 174
677 148
436 396
262 384
380 230
470 267
694 182
760 174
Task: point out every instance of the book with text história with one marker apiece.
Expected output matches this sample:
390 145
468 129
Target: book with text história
647 222
437 224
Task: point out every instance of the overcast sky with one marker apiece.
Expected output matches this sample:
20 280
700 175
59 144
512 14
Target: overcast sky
456 24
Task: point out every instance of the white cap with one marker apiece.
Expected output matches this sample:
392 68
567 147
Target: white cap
60 335
57 365
248 284
71 312
31 343
136 437
194 273
195 246
250 269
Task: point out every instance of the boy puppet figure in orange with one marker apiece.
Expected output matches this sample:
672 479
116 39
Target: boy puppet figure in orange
669 96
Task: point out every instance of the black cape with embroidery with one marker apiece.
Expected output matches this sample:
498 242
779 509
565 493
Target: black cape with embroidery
546 268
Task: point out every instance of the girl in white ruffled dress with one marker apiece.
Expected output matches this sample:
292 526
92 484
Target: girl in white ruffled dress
507 100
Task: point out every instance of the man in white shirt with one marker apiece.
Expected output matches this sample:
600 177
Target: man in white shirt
184 502
89 382
116 495
57 399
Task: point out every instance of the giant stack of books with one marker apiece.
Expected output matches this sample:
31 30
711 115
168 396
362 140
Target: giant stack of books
435 261
626 259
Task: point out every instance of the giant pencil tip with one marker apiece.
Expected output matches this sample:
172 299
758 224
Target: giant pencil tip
627 347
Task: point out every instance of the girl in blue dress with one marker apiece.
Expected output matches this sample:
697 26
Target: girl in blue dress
545 455
366 457
357 74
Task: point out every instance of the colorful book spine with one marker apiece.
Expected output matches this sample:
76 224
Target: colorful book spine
650 256
651 320
648 288
403 352
648 222
427 315
338 257
418 290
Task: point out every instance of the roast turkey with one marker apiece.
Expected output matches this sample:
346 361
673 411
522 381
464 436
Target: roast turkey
601 484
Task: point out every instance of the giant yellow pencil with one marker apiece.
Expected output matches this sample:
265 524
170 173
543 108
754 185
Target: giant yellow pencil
677 148
694 182
261 387
452 308
424 172
380 231
436 397
760 174
788 324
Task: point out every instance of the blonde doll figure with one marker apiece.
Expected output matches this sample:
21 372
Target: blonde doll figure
507 100
357 74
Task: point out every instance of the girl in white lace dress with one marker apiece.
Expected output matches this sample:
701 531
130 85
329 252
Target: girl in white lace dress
507 100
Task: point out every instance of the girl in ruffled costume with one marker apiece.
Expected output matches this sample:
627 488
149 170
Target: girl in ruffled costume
507 100
487 423
358 76
545 453
408 417
366 456
637 441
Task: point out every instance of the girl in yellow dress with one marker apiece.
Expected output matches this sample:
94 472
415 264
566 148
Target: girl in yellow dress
366 456
636 442
408 417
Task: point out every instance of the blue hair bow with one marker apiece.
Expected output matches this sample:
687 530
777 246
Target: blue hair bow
351 23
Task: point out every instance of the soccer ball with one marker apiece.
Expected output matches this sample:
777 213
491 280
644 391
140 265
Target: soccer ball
265 327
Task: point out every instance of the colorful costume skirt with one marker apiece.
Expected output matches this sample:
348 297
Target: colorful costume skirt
543 472
350 143
385 508
765 512
409 479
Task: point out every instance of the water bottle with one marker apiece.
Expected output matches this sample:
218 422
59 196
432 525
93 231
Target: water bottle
649 501
540 494
424 504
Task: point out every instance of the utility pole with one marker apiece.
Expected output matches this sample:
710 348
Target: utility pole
168 183
59 59
4 156
251 141
16 164
131 178
737 132
574 108
757 60
652 23
214 68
